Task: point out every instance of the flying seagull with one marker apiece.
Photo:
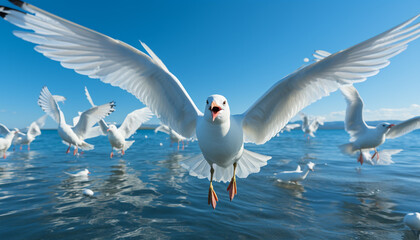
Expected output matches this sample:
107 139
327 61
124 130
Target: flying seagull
220 135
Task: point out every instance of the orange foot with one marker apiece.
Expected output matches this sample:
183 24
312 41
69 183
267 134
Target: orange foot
4 155
377 155
68 150
212 196
112 154
232 188
122 152
75 151
360 159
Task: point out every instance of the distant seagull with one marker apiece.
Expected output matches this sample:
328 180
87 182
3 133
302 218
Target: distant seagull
6 142
290 127
74 135
117 136
297 175
83 173
364 137
174 137
220 135
310 127
412 220
32 132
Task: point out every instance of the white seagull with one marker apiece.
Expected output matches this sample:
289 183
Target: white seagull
33 131
6 142
74 135
297 175
412 220
309 128
174 137
117 136
220 135
364 137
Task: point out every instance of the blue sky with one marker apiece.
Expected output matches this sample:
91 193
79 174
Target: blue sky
235 48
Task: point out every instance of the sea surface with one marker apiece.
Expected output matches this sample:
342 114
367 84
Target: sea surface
146 193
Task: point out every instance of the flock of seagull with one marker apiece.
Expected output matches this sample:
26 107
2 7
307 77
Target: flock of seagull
220 134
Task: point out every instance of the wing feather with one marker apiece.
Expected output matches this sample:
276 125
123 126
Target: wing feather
286 98
112 61
404 128
134 120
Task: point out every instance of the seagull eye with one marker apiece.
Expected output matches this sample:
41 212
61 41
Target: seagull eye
207 102
224 102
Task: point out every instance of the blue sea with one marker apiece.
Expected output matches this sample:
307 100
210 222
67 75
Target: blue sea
146 193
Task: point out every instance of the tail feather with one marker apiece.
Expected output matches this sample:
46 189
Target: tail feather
128 144
84 146
250 162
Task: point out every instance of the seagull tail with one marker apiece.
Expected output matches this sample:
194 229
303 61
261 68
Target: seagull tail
86 146
128 144
347 149
250 162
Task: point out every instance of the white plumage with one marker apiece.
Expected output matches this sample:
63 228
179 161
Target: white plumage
117 136
32 132
296 175
6 142
310 126
364 137
74 135
174 137
220 135
412 220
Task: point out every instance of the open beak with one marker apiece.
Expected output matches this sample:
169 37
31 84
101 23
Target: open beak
107 130
214 109
391 125
88 172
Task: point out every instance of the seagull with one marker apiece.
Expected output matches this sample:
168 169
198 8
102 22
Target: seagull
365 137
33 131
412 220
6 142
88 192
117 136
83 173
220 135
310 128
79 132
297 175
173 136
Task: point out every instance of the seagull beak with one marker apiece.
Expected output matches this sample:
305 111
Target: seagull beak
214 109
107 130
391 125
88 172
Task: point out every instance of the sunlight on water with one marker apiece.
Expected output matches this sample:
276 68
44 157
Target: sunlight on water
147 193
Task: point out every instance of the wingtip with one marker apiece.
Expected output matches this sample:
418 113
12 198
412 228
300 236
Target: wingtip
4 8
17 2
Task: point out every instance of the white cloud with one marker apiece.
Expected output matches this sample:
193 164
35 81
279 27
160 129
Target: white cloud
380 114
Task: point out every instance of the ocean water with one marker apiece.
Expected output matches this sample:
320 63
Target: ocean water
147 194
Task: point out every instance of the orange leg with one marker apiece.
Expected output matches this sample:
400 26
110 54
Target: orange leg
112 154
20 148
377 155
29 147
212 198
122 152
68 149
4 155
360 159
182 145
75 151
178 146
232 185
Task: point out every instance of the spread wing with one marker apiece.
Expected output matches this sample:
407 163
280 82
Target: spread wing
112 61
163 128
102 124
48 104
41 121
353 123
279 104
34 129
90 117
133 121
4 130
404 128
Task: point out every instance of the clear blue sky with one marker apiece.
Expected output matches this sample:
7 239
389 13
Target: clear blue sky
235 48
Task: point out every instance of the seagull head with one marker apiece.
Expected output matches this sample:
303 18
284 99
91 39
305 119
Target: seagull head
217 109
384 127
112 129
86 171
